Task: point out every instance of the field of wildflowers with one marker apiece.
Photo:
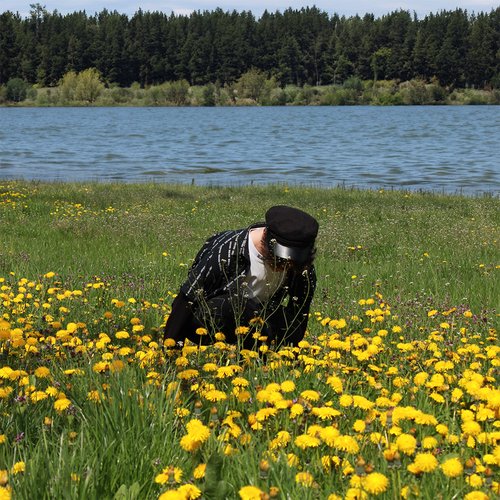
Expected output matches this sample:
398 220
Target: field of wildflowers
390 395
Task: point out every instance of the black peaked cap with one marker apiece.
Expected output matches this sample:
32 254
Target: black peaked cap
291 227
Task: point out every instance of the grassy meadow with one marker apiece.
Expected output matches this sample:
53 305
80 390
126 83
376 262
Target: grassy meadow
394 392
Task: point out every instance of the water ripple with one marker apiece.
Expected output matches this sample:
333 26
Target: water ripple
431 148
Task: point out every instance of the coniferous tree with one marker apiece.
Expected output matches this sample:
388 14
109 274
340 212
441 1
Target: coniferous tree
9 47
450 60
298 47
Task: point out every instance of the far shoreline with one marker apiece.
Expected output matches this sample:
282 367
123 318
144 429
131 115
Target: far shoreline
241 187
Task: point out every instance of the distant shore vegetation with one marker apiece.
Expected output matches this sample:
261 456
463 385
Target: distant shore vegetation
253 88
211 58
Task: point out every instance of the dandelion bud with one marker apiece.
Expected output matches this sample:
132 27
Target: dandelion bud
274 492
264 469
197 408
214 417
470 466
360 466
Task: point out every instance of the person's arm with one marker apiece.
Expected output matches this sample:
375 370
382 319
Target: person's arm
203 276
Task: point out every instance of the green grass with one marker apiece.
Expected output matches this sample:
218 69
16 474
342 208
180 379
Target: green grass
133 243
410 246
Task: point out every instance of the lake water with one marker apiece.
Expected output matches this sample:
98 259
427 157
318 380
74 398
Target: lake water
433 148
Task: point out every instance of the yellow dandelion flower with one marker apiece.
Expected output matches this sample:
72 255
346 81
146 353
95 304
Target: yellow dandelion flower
215 395
425 462
169 343
452 467
335 383
471 428
197 434
328 435
456 394
171 495
406 443
268 396
18 468
304 478
442 429
170 474
122 334
94 396
475 480
296 410
240 382
345 400
429 443
265 413
241 330
42 372
196 428
437 397
377 438
189 443
287 386
476 495
62 404
5 392
250 493
189 491
355 494
346 443
281 440
188 374
359 426
375 483
304 441
310 395
420 378
228 371
325 413
199 471
100 366
452 439
422 418
362 403
244 396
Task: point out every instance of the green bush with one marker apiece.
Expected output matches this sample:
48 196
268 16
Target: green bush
16 90
208 95
353 83
154 96
177 93
414 92
121 95
89 86
278 97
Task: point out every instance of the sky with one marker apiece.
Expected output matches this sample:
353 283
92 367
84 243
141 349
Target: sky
341 7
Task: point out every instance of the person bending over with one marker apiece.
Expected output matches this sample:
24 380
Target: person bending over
262 275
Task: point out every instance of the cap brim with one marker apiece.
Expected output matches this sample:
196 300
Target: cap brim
299 255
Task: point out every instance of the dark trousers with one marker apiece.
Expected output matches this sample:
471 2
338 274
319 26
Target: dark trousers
224 314
219 314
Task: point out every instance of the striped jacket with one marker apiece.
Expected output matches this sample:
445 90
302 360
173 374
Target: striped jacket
221 267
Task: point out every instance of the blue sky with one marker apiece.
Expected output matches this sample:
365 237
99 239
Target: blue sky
342 7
